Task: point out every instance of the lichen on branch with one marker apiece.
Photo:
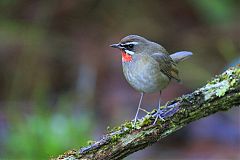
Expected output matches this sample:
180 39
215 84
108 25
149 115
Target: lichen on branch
219 94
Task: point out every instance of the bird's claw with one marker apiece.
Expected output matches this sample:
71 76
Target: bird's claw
169 110
158 115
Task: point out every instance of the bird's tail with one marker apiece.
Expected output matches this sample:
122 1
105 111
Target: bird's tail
180 56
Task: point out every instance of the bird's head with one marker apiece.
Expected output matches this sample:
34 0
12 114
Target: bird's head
131 45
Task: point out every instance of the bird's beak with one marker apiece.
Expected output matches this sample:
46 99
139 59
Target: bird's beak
117 46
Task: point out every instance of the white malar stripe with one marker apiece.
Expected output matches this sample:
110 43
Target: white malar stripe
134 43
129 52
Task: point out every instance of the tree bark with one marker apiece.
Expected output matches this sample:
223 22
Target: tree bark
219 94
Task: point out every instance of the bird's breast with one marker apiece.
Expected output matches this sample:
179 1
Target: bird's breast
143 74
126 57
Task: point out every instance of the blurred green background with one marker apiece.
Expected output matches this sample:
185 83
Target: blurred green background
62 85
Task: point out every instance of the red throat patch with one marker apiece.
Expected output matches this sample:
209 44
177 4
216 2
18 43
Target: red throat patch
126 57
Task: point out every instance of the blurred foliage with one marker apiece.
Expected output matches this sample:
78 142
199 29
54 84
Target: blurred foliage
43 133
215 11
43 136
61 83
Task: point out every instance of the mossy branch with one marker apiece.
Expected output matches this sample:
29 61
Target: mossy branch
219 94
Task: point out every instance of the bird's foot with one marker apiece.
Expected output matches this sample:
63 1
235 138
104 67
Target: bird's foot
158 115
167 111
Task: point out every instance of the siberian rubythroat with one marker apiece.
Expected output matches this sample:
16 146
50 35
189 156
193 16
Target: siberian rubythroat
148 67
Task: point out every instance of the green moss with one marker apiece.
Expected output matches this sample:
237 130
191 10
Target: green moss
115 137
128 125
70 158
238 71
223 88
221 84
142 122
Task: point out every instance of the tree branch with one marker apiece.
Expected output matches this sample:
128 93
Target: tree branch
220 94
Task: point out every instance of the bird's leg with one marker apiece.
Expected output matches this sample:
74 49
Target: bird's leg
159 111
139 105
144 110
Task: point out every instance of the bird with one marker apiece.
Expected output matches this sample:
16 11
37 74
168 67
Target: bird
148 67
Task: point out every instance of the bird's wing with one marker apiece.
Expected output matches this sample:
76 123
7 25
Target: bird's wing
167 65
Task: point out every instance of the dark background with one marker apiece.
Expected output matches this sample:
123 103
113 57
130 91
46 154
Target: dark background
62 85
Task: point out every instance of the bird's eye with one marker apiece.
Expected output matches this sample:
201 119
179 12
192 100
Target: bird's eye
129 46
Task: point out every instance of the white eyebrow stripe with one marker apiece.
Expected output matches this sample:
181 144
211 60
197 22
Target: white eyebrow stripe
129 52
134 43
